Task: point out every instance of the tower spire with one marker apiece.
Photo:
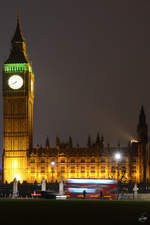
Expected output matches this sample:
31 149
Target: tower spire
47 145
89 142
142 117
18 14
98 138
142 130
18 36
18 47
70 141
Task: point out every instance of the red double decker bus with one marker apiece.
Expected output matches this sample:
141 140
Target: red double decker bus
91 188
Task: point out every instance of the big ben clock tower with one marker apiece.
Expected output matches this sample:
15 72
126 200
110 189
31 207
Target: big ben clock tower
18 97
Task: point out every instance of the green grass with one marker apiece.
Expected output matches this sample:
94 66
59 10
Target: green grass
72 212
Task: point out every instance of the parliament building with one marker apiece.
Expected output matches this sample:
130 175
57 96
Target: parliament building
25 163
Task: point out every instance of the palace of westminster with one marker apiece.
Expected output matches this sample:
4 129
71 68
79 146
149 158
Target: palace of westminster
25 163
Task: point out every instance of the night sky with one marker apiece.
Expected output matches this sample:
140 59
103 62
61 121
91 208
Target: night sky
91 64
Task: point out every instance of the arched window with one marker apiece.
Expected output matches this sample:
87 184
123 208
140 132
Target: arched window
62 161
42 169
103 160
92 160
82 161
32 161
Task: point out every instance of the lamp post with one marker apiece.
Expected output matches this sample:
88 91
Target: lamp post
52 168
118 157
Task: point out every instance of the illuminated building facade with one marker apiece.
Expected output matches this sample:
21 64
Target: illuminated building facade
25 163
18 97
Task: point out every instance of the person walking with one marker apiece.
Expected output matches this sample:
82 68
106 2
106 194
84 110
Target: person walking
84 194
101 195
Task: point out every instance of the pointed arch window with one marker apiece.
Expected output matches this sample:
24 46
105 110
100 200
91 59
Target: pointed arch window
92 160
82 161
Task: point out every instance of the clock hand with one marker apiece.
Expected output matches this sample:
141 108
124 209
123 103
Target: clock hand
14 82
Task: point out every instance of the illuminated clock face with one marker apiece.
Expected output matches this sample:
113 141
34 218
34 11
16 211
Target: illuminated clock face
15 82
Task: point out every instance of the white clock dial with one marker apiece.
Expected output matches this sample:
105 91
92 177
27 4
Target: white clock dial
15 82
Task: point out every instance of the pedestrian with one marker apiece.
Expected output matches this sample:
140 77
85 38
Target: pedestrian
101 195
84 194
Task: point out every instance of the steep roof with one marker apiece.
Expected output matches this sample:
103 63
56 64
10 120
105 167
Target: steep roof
18 47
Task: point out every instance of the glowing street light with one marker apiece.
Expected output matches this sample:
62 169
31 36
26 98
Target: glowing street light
52 168
52 163
118 157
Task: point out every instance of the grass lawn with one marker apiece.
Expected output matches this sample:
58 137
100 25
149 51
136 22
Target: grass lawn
72 212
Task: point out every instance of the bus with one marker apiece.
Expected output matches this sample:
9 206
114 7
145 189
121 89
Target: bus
91 188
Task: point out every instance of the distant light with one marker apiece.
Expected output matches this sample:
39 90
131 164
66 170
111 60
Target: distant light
134 141
91 181
18 177
61 197
118 156
35 194
80 190
52 163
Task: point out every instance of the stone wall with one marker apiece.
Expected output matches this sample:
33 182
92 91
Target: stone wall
140 196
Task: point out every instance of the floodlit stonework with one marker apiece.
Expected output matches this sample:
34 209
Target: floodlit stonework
23 162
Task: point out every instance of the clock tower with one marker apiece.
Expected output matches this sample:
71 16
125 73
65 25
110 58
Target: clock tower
18 98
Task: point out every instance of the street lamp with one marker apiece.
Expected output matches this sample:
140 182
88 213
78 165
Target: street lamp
52 168
118 157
